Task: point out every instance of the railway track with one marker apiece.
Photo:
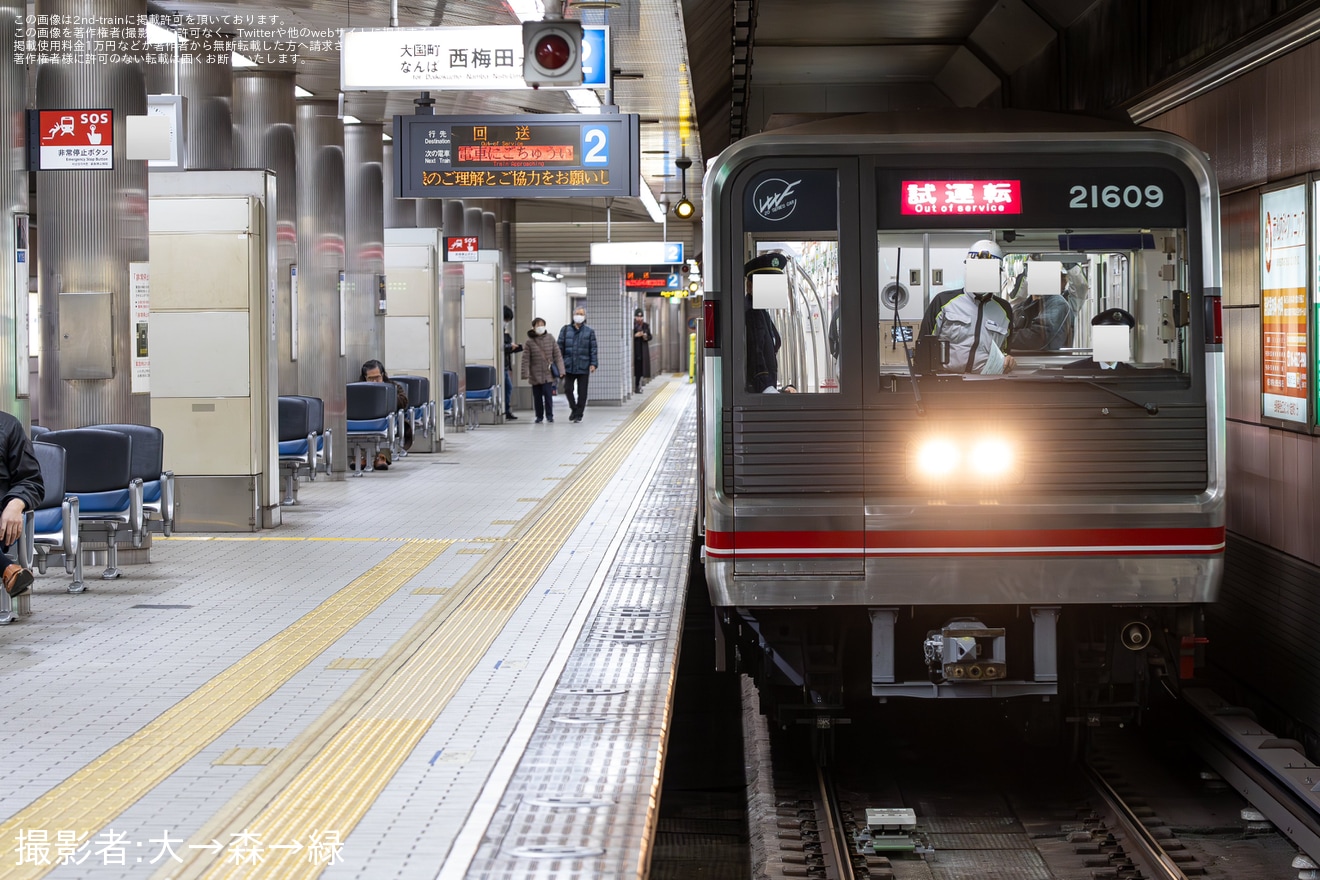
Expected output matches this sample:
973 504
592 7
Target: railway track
984 807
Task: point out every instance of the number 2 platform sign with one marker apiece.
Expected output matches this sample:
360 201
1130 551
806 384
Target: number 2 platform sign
71 140
525 157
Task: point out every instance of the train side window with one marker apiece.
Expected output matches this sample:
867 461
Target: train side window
791 317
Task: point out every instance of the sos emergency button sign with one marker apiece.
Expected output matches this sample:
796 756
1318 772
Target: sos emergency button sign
73 140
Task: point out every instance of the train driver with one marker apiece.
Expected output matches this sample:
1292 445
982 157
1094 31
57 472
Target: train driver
763 338
974 320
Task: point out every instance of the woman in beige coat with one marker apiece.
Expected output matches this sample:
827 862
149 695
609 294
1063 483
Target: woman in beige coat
542 365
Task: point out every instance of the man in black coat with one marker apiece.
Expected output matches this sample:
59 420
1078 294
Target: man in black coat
641 350
20 477
763 339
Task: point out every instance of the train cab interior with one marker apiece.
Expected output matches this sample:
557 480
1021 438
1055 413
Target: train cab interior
1063 288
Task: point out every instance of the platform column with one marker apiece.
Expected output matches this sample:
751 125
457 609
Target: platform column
92 225
321 370
14 202
453 353
609 312
400 213
364 246
264 138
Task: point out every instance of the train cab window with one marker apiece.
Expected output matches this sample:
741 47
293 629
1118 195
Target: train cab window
791 317
1035 303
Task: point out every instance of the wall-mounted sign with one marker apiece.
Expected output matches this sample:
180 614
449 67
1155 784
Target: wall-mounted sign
532 156
71 140
1283 281
461 249
139 286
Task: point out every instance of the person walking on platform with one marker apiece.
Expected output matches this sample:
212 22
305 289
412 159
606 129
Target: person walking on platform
23 488
510 348
542 365
577 342
641 350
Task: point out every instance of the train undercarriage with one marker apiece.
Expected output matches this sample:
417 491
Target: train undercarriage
1077 665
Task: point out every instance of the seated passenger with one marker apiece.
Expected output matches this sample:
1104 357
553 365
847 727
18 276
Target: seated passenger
374 371
763 338
23 490
975 325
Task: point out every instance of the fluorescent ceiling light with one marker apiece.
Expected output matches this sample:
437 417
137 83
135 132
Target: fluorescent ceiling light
585 100
238 60
652 206
527 10
351 120
157 34
300 92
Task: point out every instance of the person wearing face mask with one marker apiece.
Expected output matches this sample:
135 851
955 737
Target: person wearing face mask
577 342
542 365
510 348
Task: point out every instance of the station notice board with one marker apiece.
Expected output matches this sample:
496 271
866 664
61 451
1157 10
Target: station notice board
524 157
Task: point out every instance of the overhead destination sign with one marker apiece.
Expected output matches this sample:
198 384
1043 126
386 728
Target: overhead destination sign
1097 193
449 58
525 157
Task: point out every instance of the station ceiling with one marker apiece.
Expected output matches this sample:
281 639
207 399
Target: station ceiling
703 73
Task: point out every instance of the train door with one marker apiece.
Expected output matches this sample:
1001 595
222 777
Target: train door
795 430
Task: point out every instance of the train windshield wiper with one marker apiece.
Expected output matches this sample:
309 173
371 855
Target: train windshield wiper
1150 408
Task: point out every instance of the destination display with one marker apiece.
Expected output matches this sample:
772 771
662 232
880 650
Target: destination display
525 157
1092 196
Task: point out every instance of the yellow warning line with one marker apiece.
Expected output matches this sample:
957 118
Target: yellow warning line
93 796
334 791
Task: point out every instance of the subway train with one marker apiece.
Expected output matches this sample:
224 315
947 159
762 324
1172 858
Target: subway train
883 520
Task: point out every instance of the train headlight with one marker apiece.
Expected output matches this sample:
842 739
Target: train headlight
937 459
992 459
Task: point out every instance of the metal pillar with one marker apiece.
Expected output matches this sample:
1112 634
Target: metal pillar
207 88
364 245
453 357
320 145
92 225
399 213
264 138
13 207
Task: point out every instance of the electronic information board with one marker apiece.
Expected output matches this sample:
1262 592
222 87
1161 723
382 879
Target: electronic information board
522 157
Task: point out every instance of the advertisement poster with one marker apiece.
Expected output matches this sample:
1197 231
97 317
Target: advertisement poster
1283 305
139 289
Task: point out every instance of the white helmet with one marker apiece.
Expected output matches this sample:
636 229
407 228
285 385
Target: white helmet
984 250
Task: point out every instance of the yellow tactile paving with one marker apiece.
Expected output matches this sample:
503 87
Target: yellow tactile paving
93 796
363 756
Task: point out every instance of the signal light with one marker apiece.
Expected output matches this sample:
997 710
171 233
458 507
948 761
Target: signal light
552 53
684 209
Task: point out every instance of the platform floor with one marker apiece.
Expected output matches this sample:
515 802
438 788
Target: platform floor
462 667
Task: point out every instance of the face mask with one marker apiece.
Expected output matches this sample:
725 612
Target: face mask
539 330
578 319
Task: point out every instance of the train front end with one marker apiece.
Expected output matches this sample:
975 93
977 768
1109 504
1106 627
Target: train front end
888 512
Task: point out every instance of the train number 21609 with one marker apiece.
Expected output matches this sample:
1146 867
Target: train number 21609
1132 196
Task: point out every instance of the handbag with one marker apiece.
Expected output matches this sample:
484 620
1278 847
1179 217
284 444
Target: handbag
554 370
